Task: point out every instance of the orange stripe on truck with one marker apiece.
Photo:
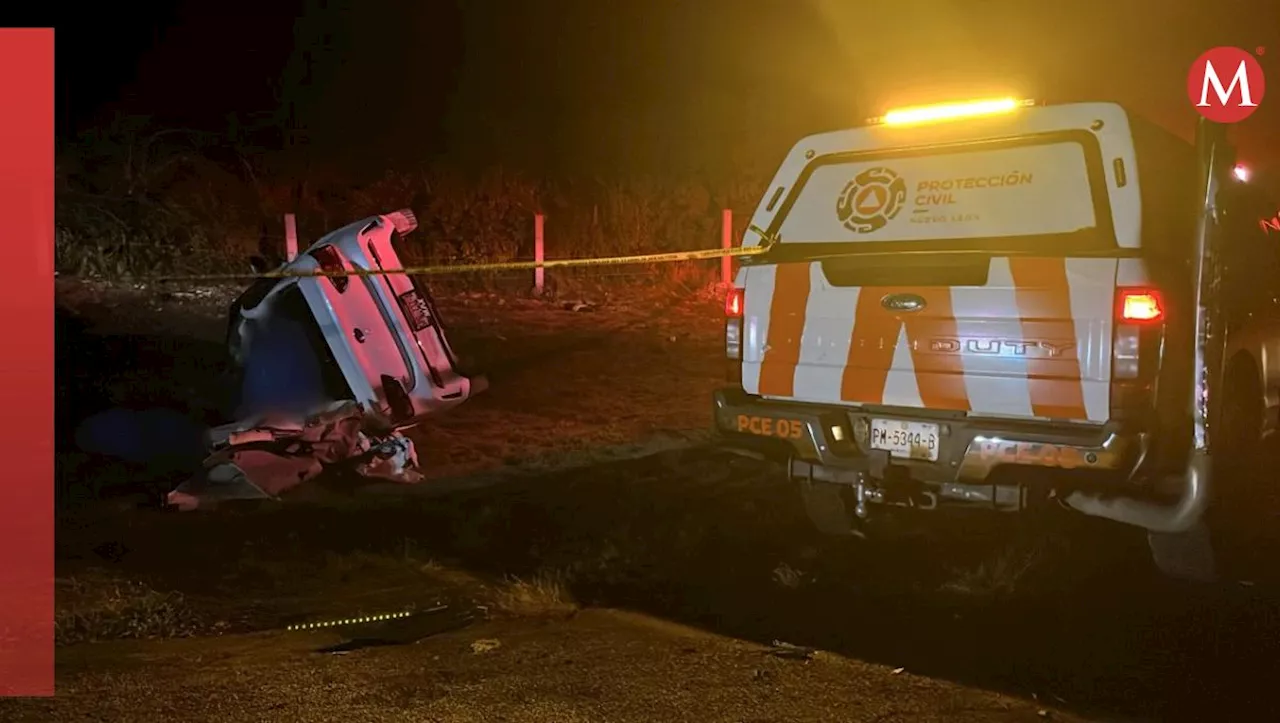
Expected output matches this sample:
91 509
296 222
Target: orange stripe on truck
875 332
939 377
786 327
1043 296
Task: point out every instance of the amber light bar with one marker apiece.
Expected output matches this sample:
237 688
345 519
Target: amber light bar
950 111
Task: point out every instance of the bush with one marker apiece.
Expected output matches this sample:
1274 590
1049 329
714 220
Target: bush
133 203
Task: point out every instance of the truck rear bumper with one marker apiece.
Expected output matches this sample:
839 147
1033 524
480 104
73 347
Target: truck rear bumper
830 443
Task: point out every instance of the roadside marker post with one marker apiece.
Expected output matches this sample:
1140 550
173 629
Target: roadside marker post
539 255
726 241
290 237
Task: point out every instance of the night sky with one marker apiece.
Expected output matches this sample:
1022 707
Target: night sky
617 87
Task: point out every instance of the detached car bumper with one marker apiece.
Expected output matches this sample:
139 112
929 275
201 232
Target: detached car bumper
827 441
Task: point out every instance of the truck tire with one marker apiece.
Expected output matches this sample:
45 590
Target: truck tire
1238 513
1241 416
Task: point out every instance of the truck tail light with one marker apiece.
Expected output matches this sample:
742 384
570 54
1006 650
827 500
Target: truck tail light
1139 306
331 263
734 308
1136 350
733 303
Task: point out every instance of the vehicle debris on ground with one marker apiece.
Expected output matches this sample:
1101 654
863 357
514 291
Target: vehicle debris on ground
329 371
267 458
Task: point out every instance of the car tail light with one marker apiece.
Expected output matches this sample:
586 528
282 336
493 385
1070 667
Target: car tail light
1139 306
734 308
331 263
1136 349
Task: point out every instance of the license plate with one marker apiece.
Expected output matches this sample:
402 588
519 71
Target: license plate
416 310
912 440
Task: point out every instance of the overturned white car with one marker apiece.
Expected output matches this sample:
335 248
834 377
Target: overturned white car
299 342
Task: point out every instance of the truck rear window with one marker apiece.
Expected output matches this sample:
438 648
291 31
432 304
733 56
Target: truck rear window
1028 194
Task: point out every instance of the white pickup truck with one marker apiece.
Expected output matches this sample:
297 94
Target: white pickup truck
1003 304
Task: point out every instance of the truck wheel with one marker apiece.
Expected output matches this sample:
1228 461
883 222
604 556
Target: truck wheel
1238 512
1186 555
824 504
1240 418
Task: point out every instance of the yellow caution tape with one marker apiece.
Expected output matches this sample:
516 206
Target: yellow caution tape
471 268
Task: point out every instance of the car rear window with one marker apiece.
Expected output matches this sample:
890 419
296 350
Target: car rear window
1043 193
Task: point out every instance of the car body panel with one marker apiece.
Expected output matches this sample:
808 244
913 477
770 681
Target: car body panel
367 331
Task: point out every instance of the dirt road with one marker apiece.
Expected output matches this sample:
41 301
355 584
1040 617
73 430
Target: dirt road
601 665
555 478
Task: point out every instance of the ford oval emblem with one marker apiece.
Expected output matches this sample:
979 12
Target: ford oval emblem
903 302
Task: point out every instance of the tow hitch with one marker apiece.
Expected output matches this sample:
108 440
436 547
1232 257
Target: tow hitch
825 489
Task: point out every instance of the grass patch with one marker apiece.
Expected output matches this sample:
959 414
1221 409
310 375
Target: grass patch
1001 574
546 594
94 608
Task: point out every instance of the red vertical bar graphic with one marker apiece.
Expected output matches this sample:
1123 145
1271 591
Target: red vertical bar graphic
26 297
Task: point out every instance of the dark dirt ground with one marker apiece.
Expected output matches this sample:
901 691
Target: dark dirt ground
627 571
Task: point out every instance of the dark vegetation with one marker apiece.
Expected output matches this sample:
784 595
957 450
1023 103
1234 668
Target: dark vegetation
134 200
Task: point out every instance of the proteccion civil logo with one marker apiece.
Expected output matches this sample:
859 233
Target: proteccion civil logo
871 200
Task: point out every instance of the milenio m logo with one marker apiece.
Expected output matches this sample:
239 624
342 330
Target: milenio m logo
1226 84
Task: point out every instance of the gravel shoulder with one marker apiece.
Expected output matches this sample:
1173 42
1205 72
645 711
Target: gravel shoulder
600 665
